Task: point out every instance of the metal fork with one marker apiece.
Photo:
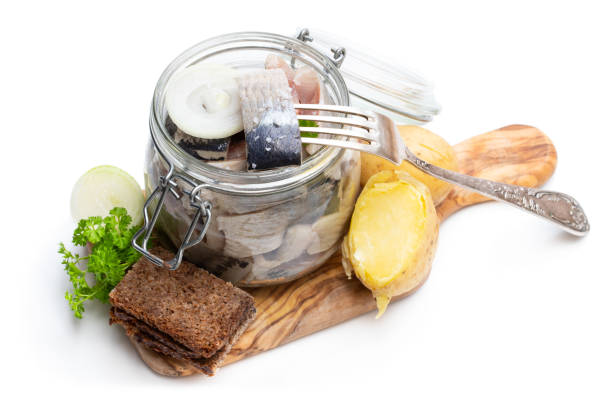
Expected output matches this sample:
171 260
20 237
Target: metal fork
383 139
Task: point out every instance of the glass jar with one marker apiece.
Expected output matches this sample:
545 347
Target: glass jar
377 83
257 228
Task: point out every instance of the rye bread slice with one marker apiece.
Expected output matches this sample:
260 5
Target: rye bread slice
191 312
134 326
163 344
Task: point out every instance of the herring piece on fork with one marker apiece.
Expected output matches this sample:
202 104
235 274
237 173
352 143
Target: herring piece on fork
383 139
271 126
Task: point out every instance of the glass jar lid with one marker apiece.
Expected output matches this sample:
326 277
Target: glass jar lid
375 84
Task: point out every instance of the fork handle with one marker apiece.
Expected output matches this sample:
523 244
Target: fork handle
559 208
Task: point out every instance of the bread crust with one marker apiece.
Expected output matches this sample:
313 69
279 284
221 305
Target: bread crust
161 343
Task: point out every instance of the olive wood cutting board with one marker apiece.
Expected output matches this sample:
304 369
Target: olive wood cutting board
514 154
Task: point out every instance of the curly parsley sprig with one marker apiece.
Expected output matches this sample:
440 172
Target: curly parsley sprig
111 255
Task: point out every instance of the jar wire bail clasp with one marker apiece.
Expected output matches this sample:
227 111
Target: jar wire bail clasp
168 183
337 53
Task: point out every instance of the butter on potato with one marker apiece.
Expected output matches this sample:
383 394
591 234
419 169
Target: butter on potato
392 236
425 145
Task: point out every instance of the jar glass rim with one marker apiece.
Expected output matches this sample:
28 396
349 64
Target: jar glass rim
245 182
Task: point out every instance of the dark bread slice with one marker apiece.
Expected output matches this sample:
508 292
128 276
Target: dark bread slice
134 326
189 311
196 309
161 343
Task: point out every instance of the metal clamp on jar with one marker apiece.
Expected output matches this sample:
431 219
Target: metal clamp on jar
271 226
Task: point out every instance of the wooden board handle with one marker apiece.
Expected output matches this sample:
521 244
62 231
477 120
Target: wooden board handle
514 154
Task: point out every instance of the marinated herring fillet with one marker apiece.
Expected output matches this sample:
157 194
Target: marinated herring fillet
270 123
200 148
304 82
296 239
236 155
305 88
187 314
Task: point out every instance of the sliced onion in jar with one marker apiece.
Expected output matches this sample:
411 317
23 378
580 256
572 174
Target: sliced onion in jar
203 102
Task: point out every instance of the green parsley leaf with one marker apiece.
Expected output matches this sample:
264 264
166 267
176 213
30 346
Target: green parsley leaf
308 123
111 255
88 230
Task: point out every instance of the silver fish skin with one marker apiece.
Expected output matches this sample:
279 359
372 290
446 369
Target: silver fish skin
270 123
200 148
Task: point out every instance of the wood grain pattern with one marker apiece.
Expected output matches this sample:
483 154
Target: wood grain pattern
514 154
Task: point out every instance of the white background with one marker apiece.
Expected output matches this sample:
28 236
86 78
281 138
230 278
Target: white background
515 313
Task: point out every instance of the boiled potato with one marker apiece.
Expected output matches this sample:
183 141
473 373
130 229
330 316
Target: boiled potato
425 145
392 237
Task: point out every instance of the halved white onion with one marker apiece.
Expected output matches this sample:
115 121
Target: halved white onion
103 188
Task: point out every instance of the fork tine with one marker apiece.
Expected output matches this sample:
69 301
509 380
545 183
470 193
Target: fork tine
339 120
343 144
356 133
332 108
